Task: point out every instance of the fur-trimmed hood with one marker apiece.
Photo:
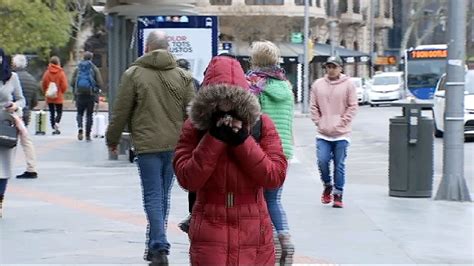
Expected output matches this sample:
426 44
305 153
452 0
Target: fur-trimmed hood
224 89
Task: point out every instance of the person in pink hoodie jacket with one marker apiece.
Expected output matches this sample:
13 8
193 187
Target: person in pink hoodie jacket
333 106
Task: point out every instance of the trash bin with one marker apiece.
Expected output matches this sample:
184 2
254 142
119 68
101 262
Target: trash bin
411 151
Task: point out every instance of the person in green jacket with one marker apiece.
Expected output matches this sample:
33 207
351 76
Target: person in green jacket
152 100
268 81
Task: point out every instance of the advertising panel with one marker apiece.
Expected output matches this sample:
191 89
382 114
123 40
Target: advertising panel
193 38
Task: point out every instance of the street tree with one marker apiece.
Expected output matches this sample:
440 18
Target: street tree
419 15
33 25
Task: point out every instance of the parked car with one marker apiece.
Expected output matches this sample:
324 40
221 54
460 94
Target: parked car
386 87
439 105
362 95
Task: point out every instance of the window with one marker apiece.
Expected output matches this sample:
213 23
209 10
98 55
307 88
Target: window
356 6
377 8
318 3
221 2
264 2
387 8
356 46
342 6
301 2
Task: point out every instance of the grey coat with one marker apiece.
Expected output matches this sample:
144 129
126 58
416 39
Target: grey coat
10 92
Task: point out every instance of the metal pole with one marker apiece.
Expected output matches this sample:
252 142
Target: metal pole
332 27
372 36
306 59
453 185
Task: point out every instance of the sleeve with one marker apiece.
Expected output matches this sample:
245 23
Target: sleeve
196 158
98 78
123 108
73 80
352 105
266 163
188 96
314 106
18 92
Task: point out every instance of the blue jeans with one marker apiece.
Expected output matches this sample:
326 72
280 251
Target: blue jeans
275 208
336 151
156 174
3 186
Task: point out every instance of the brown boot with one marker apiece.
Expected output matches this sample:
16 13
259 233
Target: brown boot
287 249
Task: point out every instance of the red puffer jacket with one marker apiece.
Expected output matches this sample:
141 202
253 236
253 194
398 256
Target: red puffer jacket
230 223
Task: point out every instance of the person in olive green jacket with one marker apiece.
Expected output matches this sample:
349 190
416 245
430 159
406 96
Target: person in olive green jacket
152 100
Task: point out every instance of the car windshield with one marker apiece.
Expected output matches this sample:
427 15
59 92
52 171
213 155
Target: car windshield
425 73
385 80
357 82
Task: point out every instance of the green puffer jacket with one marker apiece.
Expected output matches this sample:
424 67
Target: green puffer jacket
152 100
277 101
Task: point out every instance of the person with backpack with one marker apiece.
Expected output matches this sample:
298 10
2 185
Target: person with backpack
86 83
54 85
268 82
219 157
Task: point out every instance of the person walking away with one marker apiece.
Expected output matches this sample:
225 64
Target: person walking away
229 170
333 106
152 99
268 81
11 104
30 89
184 64
86 84
54 85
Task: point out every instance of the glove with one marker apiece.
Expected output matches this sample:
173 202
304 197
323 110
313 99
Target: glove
239 137
222 133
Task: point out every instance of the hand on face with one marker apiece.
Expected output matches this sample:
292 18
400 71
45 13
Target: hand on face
229 129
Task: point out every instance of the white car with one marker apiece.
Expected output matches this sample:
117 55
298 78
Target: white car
439 105
362 96
386 87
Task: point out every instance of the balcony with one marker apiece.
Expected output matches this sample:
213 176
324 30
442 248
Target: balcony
383 23
241 8
351 19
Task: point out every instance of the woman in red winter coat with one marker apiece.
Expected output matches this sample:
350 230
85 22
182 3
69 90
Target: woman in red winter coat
218 158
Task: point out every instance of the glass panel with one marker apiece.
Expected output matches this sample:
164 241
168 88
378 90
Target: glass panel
377 8
301 2
342 6
221 2
264 2
425 73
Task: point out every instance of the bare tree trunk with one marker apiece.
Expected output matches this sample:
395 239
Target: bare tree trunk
418 7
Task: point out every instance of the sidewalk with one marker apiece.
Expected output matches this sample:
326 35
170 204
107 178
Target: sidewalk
70 105
87 209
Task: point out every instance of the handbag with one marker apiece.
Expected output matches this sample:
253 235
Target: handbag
8 133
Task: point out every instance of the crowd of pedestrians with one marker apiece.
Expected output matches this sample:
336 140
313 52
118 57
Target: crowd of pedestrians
228 140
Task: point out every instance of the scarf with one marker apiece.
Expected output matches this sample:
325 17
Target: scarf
257 78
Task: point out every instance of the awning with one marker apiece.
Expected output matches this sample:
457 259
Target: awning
294 52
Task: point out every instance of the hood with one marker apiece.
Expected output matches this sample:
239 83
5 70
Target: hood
225 70
54 68
224 89
341 79
157 59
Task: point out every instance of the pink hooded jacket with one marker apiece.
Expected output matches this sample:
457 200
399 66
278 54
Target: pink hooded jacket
333 106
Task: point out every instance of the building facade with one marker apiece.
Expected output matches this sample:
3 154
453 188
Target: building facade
278 20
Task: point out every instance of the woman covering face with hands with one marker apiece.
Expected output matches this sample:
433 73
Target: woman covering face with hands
218 158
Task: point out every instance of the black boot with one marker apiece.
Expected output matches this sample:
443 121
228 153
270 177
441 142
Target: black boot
1 206
28 175
157 258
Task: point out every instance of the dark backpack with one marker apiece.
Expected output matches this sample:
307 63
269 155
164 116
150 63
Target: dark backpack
85 81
